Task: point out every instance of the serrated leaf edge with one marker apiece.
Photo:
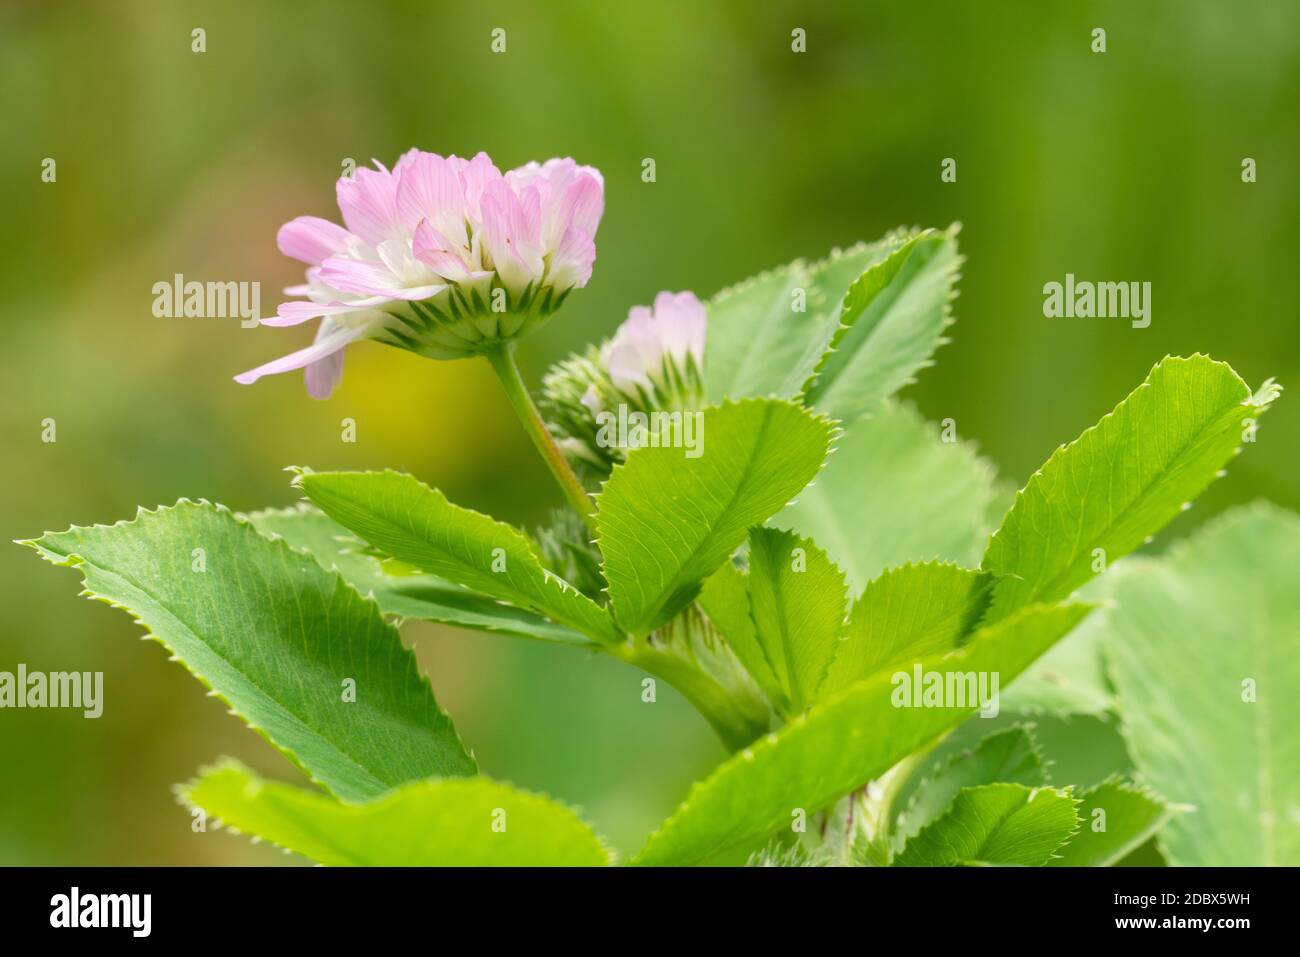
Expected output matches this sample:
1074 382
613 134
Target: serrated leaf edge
833 432
181 792
548 576
75 561
1261 400
898 238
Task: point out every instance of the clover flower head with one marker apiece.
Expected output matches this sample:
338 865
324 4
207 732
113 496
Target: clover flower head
654 362
445 257
659 350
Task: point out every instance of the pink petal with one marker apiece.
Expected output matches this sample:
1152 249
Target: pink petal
635 352
427 239
682 322
368 201
527 222
293 313
570 194
371 279
416 293
358 276
572 262
583 204
323 347
475 175
431 248
403 161
430 189
324 374
521 176
503 223
448 265
312 239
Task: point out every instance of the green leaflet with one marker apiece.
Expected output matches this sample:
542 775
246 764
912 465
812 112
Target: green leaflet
665 521
404 518
1201 650
797 599
1009 756
759 344
892 319
1116 819
907 613
839 745
275 636
893 492
724 598
846 331
995 824
1122 480
417 596
471 822
833 276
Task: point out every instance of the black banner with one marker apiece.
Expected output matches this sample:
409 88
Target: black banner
978 906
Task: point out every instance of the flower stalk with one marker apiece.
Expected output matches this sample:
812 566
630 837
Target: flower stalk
502 358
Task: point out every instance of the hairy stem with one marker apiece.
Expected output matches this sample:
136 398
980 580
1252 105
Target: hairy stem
735 722
689 654
876 802
502 358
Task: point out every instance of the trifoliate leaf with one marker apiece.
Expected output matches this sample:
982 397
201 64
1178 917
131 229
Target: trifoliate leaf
293 649
406 519
1001 824
470 822
666 521
1101 496
1201 647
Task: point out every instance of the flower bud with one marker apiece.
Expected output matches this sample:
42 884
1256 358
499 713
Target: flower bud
653 363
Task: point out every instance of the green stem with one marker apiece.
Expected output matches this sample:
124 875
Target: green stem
689 654
735 708
738 719
878 811
502 358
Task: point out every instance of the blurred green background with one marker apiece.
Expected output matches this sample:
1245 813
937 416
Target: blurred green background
1116 166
